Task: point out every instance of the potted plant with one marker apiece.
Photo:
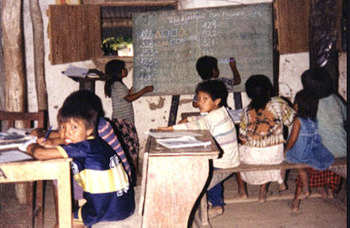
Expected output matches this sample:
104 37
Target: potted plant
111 45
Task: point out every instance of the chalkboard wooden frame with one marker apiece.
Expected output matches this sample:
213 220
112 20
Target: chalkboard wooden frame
168 44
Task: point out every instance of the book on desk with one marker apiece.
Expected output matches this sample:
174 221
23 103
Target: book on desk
178 139
13 143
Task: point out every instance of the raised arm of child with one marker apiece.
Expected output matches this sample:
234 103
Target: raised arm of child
235 72
133 96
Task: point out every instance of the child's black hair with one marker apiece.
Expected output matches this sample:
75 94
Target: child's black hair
82 105
113 70
216 89
318 81
205 66
259 89
85 98
306 104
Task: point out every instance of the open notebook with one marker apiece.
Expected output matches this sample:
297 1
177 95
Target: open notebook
182 142
14 155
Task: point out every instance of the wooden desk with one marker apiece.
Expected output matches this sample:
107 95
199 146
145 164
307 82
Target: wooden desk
57 169
172 181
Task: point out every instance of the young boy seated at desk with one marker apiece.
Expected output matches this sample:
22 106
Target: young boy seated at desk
96 166
212 97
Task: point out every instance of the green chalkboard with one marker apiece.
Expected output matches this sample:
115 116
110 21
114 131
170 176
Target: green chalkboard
167 45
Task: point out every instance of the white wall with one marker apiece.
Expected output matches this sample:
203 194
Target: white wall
150 111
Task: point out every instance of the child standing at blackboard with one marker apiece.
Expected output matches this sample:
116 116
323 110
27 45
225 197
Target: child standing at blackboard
207 69
123 112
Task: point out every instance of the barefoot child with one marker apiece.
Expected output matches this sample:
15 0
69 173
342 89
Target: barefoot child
304 143
212 97
261 132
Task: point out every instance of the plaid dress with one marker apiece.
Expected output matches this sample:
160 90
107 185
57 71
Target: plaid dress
321 178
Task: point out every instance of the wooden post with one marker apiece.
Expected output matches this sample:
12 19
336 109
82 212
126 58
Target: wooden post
39 55
15 81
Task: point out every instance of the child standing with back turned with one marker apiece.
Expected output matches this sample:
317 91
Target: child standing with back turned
212 97
261 132
123 111
304 143
96 166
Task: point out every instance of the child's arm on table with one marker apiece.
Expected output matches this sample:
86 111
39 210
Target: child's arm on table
43 153
293 135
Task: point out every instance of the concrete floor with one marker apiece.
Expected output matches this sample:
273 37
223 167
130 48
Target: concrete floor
314 212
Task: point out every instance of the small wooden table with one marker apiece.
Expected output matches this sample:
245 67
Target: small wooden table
57 169
172 181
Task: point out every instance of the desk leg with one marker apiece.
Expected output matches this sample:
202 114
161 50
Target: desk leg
64 198
173 185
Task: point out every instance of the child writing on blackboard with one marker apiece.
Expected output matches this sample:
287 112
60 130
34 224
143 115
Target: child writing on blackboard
207 69
304 144
212 99
96 167
123 112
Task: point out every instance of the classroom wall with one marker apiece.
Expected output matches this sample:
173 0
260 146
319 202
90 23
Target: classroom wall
150 112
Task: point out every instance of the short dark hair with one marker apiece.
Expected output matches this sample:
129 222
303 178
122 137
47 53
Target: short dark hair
205 66
85 98
259 90
307 104
83 105
317 81
216 89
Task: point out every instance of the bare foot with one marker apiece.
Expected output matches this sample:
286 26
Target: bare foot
330 193
323 193
215 211
295 205
243 195
282 187
303 195
262 193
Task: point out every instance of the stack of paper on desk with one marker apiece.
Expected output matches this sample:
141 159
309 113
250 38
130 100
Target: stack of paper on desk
14 155
13 139
182 142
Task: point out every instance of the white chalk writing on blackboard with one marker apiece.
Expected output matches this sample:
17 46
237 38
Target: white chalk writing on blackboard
167 45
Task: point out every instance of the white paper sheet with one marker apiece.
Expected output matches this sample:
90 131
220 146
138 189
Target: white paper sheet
182 142
13 155
171 134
